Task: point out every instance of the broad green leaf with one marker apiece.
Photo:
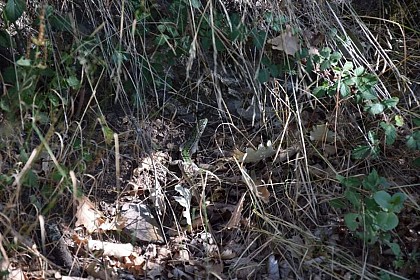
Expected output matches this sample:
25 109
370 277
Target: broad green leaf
325 52
348 66
372 180
359 71
73 82
383 199
350 182
320 91
353 221
366 93
23 62
375 108
395 248
416 121
361 152
5 39
263 75
344 90
195 4
387 221
413 140
353 197
391 102
390 132
397 201
416 162
335 57
14 9
326 64
258 37
337 203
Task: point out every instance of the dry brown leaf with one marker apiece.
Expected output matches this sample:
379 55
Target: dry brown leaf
321 133
235 219
286 42
263 193
88 216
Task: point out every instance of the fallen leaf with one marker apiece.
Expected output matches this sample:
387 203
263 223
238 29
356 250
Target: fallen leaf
321 133
252 155
286 42
88 216
235 219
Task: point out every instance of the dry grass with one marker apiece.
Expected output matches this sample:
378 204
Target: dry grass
137 89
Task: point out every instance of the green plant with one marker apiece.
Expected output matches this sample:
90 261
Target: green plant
373 210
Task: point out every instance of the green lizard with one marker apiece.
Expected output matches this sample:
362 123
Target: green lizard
188 148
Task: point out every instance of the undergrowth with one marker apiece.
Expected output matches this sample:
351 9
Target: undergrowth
314 110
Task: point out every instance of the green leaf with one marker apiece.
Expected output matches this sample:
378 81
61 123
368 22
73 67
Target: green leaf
349 182
390 132
14 9
325 52
367 93
73 82
361 152
372 180
326 64
359 71
383 199
353 197
60 23
395 248
335 57
391 102
413 140
353 221
258 37
5 39
263 75
416 122
416 162
387 221
195 4
399 121
320 91
344 90
348 66
23 62
375 108
397 201
337 203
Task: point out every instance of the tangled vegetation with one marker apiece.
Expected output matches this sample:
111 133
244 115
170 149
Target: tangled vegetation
195 139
